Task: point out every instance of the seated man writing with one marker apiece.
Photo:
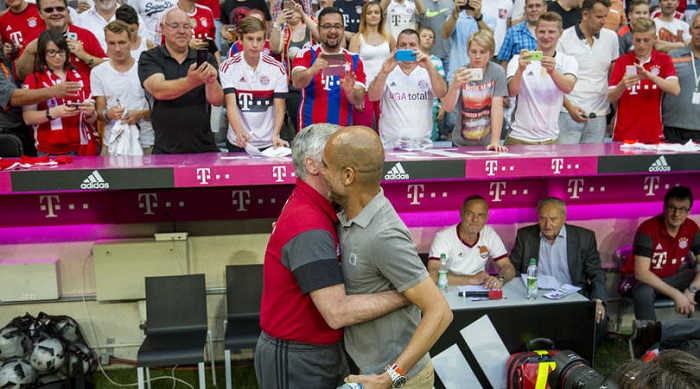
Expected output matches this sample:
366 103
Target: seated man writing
468 245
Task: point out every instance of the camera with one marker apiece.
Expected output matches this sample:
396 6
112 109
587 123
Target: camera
574 372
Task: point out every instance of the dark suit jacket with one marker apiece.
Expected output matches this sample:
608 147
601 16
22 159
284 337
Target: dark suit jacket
582 249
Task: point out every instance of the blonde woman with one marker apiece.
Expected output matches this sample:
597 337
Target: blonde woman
478 91
374 45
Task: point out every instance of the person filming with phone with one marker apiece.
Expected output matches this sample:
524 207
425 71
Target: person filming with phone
183 85
638 82
63 125
406 84
540 79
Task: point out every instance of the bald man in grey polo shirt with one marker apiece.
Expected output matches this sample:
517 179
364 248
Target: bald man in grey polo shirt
378 254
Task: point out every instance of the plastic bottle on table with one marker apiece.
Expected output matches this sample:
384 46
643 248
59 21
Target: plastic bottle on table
532 279
442 273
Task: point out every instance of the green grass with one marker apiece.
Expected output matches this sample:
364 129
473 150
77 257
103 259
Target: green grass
611 354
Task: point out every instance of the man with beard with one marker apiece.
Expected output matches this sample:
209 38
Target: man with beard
96 18
182 93
85 49
327 98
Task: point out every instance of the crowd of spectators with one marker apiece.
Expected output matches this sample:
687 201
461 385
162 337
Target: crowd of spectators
516 72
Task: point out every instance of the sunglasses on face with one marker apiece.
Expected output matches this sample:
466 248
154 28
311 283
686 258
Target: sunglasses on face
50 10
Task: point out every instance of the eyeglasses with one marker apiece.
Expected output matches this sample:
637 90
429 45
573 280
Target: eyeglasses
332 26
176 26
535 6
55 53
681 210
50 10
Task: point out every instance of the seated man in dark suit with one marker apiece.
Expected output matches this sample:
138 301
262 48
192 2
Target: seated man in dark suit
565 252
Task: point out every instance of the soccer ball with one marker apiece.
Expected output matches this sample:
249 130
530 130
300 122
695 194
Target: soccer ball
68 329
78 353
47 355
17 373
13 343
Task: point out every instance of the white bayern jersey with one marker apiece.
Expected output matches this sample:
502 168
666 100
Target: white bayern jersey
464 259
255 92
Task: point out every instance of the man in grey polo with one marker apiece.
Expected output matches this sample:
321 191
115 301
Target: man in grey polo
681 114
378 254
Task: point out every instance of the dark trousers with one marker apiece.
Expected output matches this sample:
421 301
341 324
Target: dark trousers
644 295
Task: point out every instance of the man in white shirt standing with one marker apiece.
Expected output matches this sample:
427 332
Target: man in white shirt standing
406 90
672 33
96 18
584 115
117 90
540 85
254 84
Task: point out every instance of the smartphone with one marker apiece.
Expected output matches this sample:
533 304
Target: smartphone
287 5
74 105
630 70
533 55
405 55
476 73
466 6
202 56
72 35
336 65
211 45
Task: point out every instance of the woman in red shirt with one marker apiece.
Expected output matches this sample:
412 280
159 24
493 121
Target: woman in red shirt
62 126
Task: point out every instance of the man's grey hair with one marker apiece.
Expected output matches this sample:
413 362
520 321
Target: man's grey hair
309 143
552 200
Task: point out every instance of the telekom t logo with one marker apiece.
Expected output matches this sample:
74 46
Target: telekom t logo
496 190
50 204
415 193
203 175
575 187
651 183
240 198
149 201
279 172
557 164
491 167
244 101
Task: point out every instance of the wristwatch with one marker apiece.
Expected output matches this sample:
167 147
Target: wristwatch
693 288
396 374
501 278
48 114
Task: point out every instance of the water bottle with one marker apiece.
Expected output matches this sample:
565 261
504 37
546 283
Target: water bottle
442 273
532 279
690 10
350 385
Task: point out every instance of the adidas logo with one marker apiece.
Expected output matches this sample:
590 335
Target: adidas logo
94 181
242 79
660 165
659 247
396 173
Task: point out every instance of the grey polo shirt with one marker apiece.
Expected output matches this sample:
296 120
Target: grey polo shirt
378 254
10 117
679 111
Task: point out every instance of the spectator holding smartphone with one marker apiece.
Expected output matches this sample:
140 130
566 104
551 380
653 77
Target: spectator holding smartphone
540 85
17 24
180 106
407 122
63 125
638 82
478 91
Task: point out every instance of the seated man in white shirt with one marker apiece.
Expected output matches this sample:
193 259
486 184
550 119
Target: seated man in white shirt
406 90
468 245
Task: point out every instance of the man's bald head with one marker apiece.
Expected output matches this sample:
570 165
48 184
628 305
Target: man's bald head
359 148
175 14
